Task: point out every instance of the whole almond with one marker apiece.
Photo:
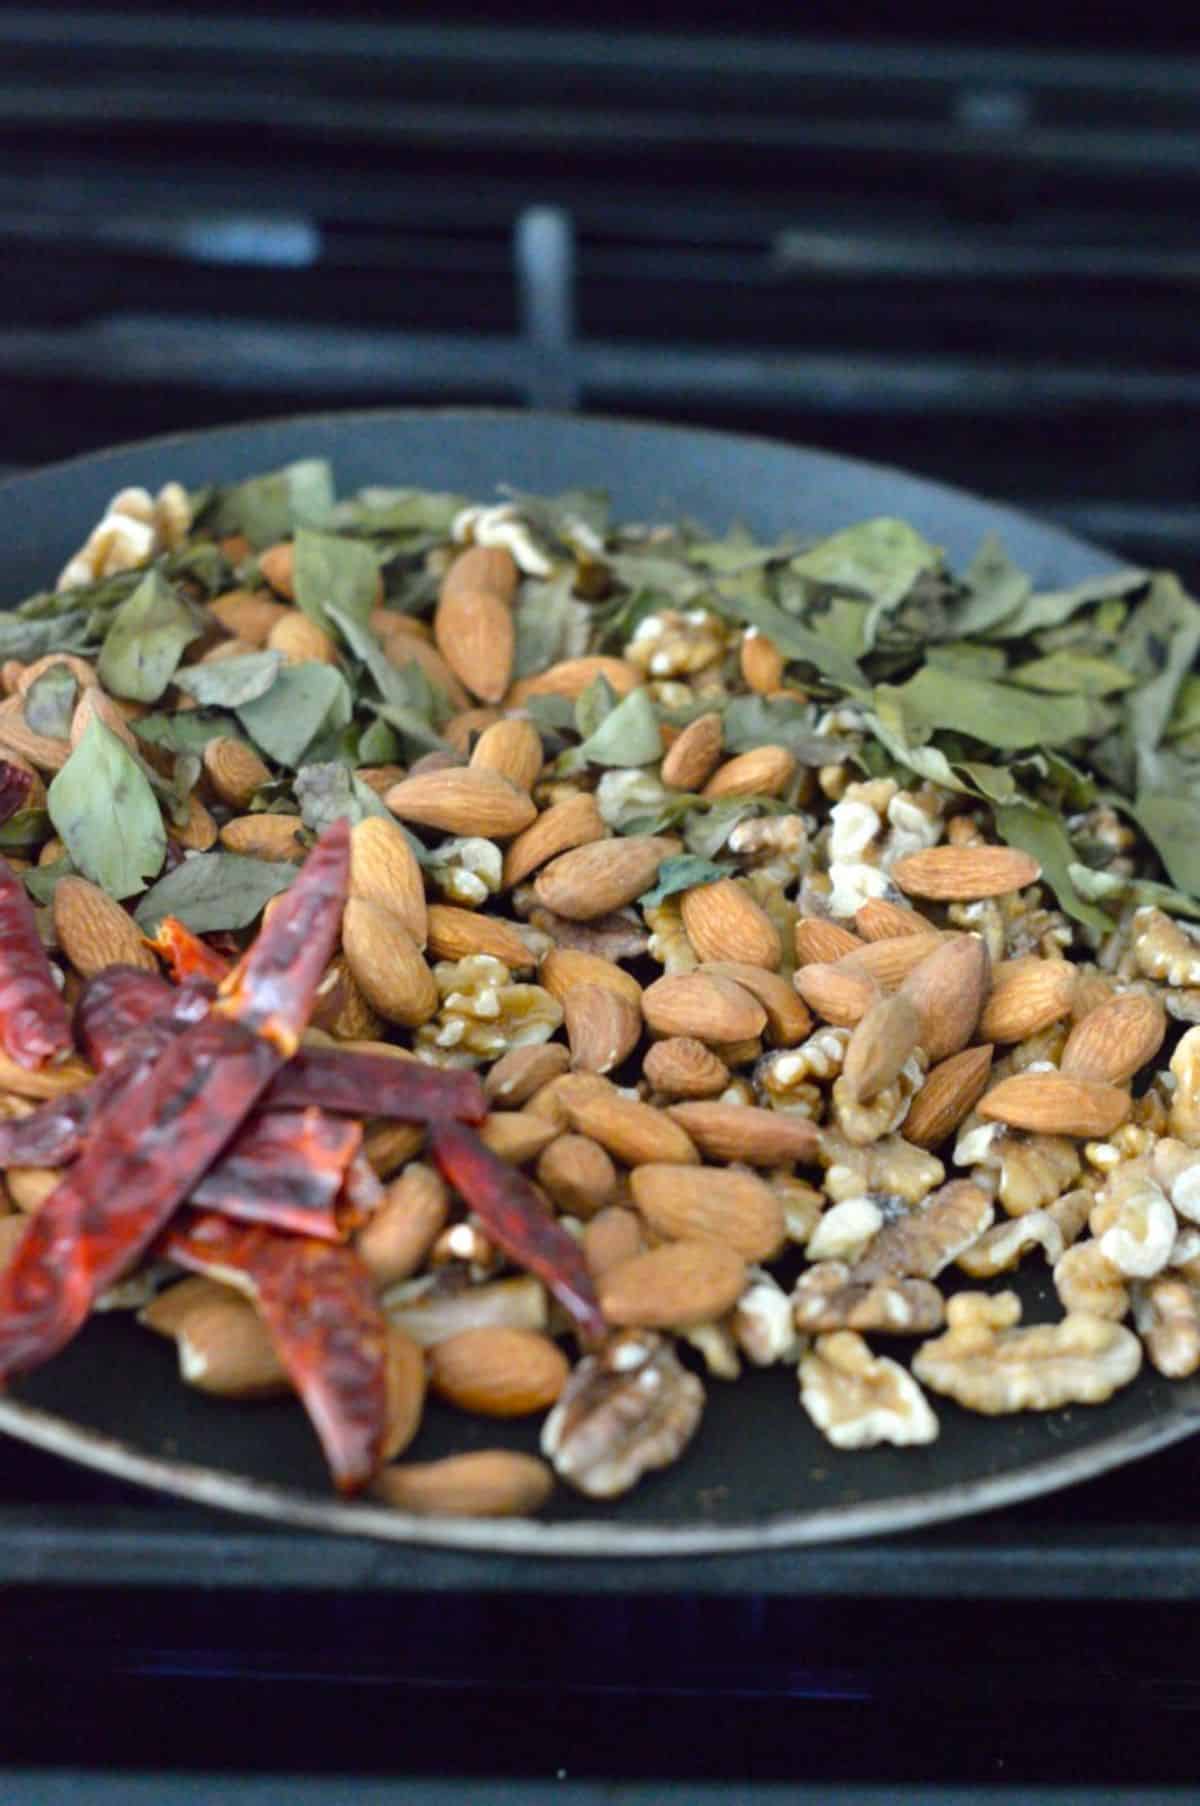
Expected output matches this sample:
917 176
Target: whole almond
30 1186
96 705
228 649
948 990
275 567
199 832
483 567
1053 1103
380 778
462 801
513 748
949 1094
388 1146
819 941
881 1043
168 1308
572 823
590 881
384 870
224 1348
48 1081
395 1240
603 1027
404 1381
723 921
746 1133
339 1007
763 771
692 756
455 934
265 836
1026 996
565 967
1115 1039
840 992
879 920
404 647
572 676
301 640
890 961
683 1067
498 1372
673 1287
476 635
703 1006
463 730
612 1236
517 1136
94 931
522 1071
761 662
46 751
632 1132
685 1202
234 769
788 1021
248 614
578 1175
964 874
487 1483
387 964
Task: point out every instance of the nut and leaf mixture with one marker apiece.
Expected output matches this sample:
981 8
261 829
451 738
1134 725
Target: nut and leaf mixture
818 927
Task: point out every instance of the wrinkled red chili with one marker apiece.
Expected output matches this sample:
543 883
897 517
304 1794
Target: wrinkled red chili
15 786
186 955
288 1168
34 1026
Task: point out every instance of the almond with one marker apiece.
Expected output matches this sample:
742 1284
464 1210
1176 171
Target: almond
458 933
517 1136
1026 995
1054 1103
488 1483
841 992
723 921
79 668
761 662
693 755
234 769
476 635
683 1067
763 771
498 1372
948 989
890 961
788 1021
199 832
879 920
459 800
565 967
819 941
964 874
46 751
573 823
746 1133
396 1239
572 677
612 1236
632 1132
224 1348
390 1145
96 705
248 614
947 1097
11 1231
265 837
513 748
603 1027
522 1071
30 1186
463 730
881 1043
704 1007
94 931
302 641
404 647
686 1202
384 870
380 778
275 567
387 964
592 880
49 1081
673 1287
1115 1039
404 1381
490 568
340 1008
578 1175
167 1310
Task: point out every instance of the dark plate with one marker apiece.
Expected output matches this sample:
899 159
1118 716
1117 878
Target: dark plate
758 1474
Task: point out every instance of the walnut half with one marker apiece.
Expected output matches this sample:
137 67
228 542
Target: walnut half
986 1363
858 1400
628 1409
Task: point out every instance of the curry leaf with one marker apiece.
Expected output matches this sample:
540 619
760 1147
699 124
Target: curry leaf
41 881
190 730
997 714
227 683
996 589
750 721
32 639
330 573
1172 823
592 705
25 828
106 814
328 792
1051 607
146 641
1114 887
1039 831
304 701
268 508
793 640
210 892
551 624
880 559
50 702
682 873
1072 674
628 734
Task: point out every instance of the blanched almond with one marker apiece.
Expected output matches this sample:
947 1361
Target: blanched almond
591 881
488 1483
673 1287
964 874
458 933
1026 996
460 800
738 1208
947 1097
94 931
513 748
603 1027
387 964
1053 1103
746 1133
572 823
498 1372
763 771
684 1067
384 870
723 921
1115 1039
692 757
703 1006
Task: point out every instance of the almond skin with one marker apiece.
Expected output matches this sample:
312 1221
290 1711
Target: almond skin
565 967
460 800
706 1008
457 933
490 568
387 964
571 677
578 1175
301 640
763 771
603 1027
94 931
683 1067
633 1133
1115 1040
517 1136
498 1372
1053 1103
947 990
890 962
878 920
1027 995
264 837
405 1382
946 1099
395 1240
723 921
761 662
880 1044
744 1132
476 636
685 1202
513 748
964 874
573 823
488 1483
592 880
692 757
673 1287
520 1072
612 1236
819 941
840 992
788 1021
384 870
247 614
235 771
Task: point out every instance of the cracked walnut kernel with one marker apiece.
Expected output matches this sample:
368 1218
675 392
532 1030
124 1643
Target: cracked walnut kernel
987 1363
622 1412
858 1400
483 1014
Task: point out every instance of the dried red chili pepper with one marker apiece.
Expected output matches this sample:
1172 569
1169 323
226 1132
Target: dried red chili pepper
318 1302
517 1221
378 1085
185 955
122 1000
34 1026
15 786
288 1168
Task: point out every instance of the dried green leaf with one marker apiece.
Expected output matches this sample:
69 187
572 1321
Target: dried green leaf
333 577
1120 891
593 705
413 704
227 683
1185 716
1072 674
378 744
1038 831
627 735
880 559
559 516
682 873
793 640
305 701
750 721
41 881
50 702
28 640
27 828
330 791
996 588
551 714
106 814
1171 822
190 730
964 657
1051 607
212 892
551 624
400 512
267 508
996 714
1161 644
739 551
146 641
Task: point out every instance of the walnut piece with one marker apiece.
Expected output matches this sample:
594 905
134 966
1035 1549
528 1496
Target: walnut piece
863 1123
845 1230
858 1400
135 528
1177 1169
467 871
1022 1171
925 1241
483 1013
986 1363
674 644
891 1167
1165 949
628 1409
1006 1245
1185 1102
828 1297
1133 1223
1086 1280
1167 1314
762 1321
669 943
